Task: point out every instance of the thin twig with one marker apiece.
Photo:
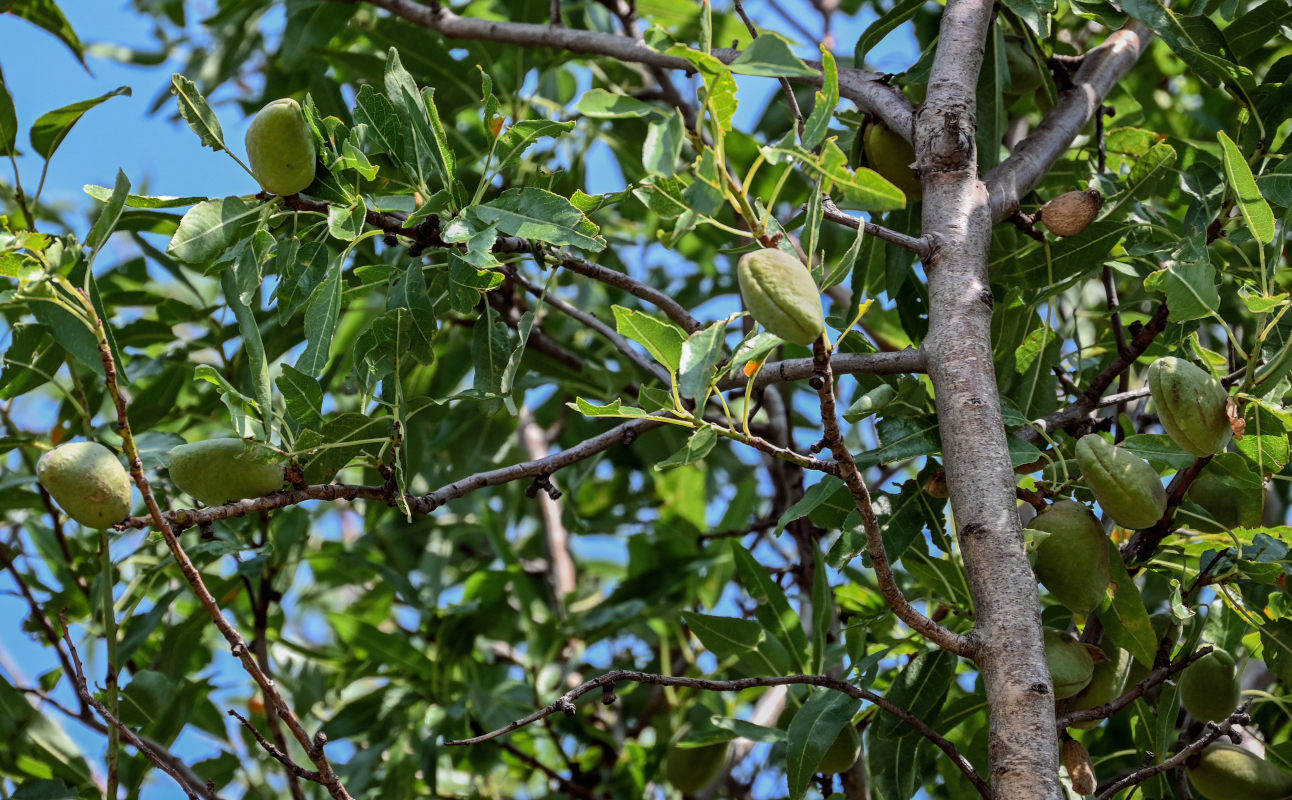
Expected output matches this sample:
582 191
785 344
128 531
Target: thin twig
793 102
919 247
565 705
823 381
238 645
83 690
1154 678
293 769
1210 733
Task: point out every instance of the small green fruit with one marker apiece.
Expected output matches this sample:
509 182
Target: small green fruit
1229 506
843 752
1072 561
1106 683
1127 488
690 769
1191 405
891 156
1209 688
219 471
1071 666
88 482
781 295
280 146
1228 772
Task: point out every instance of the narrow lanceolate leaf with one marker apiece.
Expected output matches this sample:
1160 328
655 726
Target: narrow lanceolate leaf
321 313
197 112
8 122
52 128
774 609
107 221
303 395
251 345
102 193
811 732
1256 212
695 449
818 123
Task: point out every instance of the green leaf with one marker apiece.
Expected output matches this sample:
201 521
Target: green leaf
257 363
1256 212
381 120
47 15
814 728
774 611
663 145
920 688
303 395
8 122
770 56
491 347
663 340
1122 613
878 30
701 353
601 104
542 216
696 448
823 491
106 222
1189 282
210 228
103 193
52 128
322 311
827 100
518 138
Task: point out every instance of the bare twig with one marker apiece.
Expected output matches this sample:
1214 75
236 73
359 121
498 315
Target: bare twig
823 381
1210 733
83 690
661 300
1154 678
790 99
293 769
565 705
561 574
238 645
919 247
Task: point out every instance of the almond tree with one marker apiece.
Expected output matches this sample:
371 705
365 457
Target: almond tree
535 446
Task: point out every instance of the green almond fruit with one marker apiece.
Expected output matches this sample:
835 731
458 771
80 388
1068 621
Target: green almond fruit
1191 405
1228 772
1071 666
1107 682
280 147
690 769
887 153
1072 561
843 752
1124 485
1209 688
219 471
88 482
1227 506
781 295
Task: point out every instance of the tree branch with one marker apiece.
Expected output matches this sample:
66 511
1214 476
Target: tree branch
1101 68
919 247
606 683
1154 678
1210 733
823 380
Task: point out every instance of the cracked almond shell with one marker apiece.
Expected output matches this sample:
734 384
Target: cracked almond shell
88 482
1124 485
1190 405
1071 213
781 295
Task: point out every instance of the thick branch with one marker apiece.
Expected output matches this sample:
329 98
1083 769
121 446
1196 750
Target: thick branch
1100 70
606 683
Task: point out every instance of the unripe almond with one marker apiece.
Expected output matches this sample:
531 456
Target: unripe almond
1072 561
1070 663
88 482
1227 772
891 156
218 471
280 147
781 295
1071 213
1191 405
1209 688
1124 485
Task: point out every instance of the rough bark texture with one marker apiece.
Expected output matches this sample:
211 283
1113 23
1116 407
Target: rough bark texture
957 216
